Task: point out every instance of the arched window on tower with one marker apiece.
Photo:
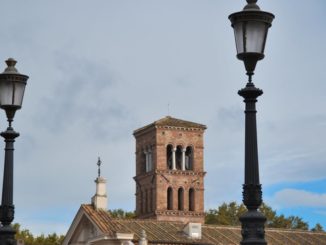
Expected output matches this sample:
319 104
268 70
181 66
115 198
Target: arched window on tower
169 152
150 159
180 199
191 199
189 158
170 198
178 157
143 162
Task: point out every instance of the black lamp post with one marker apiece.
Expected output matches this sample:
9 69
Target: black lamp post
12 87
250 29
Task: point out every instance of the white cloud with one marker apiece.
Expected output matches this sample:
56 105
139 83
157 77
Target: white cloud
288 198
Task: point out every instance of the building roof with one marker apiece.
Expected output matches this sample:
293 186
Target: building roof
164 232
172 122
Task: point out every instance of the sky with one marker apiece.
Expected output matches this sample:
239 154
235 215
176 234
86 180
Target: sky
101 69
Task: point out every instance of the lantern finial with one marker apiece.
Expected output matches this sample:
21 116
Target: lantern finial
251 5
11 66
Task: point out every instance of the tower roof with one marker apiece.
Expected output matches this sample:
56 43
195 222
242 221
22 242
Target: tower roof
171 122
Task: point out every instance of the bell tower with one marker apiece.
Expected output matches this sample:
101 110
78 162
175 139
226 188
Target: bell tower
170 170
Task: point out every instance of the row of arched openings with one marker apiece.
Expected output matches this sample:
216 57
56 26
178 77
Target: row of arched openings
179 158
181 204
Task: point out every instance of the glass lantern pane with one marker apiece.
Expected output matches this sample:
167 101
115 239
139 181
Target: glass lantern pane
238 33
255 36
11 93
19 93
6 93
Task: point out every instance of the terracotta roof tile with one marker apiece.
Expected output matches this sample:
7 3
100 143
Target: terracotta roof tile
163 232
172 122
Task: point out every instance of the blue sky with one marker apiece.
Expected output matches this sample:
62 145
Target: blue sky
98 70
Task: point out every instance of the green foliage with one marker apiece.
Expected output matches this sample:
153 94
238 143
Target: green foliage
317 228
298 223
120 213
270 214
228 214
30 239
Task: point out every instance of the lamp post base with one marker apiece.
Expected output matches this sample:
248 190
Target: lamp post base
253 232
7 235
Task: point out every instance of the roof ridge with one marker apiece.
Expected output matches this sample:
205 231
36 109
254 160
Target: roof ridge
173 122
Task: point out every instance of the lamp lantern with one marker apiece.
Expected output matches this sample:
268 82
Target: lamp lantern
12 87
250 30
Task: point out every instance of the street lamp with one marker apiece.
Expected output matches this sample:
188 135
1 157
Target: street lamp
250 29
12 87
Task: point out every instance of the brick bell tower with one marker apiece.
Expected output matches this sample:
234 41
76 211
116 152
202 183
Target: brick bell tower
170 170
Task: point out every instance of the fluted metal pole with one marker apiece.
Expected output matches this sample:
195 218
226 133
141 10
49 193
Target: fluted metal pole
7 209
252 221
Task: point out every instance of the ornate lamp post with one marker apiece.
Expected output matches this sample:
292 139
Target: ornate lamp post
250 29
12 87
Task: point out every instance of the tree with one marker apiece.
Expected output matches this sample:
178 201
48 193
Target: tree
29 239
226 214
120 213
269 213
211 217
298 223
317 228
229 214
280 222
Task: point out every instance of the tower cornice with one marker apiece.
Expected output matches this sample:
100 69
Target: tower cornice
171 123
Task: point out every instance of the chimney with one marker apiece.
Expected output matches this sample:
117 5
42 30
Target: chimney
193 230
100 199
